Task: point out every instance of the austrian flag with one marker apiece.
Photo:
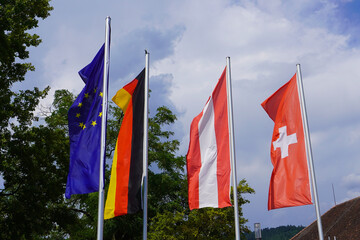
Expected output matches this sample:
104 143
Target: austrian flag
208 157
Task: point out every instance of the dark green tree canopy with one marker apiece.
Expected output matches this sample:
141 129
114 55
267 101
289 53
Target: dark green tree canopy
16 19
278 233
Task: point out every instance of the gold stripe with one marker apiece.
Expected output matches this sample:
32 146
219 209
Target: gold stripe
109 211
122 99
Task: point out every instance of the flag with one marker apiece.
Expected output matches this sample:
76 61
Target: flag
124 194
84 119
208 157
289 184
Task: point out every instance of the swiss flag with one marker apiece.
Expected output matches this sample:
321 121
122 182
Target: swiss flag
289 184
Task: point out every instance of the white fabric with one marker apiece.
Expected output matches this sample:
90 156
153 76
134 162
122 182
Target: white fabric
284 141
208 193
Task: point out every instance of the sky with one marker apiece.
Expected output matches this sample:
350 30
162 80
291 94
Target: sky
188 43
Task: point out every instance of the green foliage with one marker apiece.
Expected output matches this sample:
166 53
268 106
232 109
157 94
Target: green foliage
16 18
205 223
34 170
56 117
30 204
278 233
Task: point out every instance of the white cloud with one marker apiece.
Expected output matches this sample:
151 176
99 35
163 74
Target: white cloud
352 181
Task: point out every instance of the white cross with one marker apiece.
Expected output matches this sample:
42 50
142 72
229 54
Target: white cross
284 141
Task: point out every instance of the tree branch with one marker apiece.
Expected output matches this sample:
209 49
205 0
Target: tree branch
83 212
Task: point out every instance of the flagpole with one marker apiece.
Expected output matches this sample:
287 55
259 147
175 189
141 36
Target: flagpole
309 150
232 147
100 224
145 145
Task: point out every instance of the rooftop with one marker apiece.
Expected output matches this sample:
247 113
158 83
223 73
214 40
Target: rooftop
341 221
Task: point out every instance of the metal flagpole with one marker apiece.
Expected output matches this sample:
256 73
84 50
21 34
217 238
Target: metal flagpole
103 130
145 145
309 150
232 147
333 193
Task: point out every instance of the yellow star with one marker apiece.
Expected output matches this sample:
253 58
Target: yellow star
81 125
78 115
84 126
101 94
93 123
100 114
86 95
80 104
95 90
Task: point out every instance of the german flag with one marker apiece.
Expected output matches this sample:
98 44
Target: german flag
124 194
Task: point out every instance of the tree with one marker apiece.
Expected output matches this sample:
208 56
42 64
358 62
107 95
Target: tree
16 18
32 201
278 233
205 223
29 156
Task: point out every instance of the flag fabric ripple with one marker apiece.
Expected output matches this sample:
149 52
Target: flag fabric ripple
289 183
84 120
208 157
124 194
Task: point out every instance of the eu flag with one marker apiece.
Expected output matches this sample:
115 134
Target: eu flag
85 116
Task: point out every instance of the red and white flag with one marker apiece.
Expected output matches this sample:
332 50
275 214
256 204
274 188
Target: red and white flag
208 157
289 184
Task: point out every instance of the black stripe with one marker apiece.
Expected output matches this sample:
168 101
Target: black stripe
136 165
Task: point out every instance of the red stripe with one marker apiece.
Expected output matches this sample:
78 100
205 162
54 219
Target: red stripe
222 141
193 163
123 166
130 87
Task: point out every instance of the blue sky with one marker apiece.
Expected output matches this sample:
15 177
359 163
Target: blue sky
188 43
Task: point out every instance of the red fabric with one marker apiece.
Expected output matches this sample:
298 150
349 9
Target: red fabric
130 87
123 162
289 184
222 141
194 165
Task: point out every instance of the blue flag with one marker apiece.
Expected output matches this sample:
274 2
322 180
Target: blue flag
85 116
